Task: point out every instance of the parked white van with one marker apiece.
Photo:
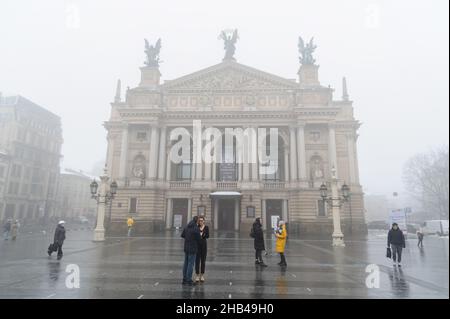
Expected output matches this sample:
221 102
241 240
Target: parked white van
439 227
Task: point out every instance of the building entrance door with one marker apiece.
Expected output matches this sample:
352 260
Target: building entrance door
274 212
226 214
180 212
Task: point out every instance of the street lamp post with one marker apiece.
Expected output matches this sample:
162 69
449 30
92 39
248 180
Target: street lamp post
103 197
335 201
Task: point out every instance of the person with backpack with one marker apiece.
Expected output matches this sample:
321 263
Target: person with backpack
258 235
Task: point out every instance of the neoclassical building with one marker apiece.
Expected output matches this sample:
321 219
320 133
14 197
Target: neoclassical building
316 134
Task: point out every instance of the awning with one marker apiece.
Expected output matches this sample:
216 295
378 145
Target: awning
225 194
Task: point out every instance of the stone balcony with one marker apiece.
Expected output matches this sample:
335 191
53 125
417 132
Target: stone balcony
227 185
180 184
274 185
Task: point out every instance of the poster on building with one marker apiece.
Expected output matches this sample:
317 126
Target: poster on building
274 220
177 221
227 172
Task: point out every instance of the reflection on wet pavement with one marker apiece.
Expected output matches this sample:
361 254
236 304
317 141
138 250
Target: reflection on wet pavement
151 268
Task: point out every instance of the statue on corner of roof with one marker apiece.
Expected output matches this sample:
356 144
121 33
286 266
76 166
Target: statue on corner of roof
306 51
152 52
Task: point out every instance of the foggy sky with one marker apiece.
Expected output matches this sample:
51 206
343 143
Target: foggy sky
67 56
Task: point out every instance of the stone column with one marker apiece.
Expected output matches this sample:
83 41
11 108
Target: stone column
338 236
286 163
332 157
124 153
162 155
255 176
214 170
99 232
208 166
237 214
189 215
153 157
208 172
168 166
301 151
293 154
356 159
263 214
199 170
110 155
351 158
169 217
216 214
285 211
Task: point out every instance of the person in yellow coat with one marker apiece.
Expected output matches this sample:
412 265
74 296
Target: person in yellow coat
130 223
281 235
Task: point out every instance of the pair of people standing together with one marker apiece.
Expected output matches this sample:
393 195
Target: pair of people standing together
195 235
258 235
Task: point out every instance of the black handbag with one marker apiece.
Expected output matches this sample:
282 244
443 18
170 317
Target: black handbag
252 233
388 252
52 248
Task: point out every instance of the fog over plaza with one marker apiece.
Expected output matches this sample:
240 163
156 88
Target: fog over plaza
67 56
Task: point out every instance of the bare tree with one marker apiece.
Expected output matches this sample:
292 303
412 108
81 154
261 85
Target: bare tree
426 177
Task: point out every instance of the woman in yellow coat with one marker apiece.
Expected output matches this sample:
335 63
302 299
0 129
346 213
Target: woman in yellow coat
281 235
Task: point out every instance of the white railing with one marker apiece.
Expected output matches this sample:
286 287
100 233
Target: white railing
274 185
227 185
180 184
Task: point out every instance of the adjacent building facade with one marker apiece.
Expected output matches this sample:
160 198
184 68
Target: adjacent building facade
31 139
316 134
74 195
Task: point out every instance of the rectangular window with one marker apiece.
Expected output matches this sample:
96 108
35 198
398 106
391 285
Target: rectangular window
250 211
322 209
133 205
201 210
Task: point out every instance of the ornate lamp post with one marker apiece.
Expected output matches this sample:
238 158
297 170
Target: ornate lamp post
103 197
335 201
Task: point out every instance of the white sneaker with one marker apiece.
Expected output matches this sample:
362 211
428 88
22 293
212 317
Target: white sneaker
394 263
197 278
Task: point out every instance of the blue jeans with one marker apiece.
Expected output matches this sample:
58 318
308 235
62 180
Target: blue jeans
188 267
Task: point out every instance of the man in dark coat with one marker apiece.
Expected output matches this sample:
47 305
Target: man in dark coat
58 240
191 235
7 229
258 235
396 240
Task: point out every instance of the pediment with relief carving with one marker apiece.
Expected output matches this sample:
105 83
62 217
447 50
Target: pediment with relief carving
229 76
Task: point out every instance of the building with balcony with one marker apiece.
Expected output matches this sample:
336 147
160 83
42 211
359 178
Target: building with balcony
315 133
